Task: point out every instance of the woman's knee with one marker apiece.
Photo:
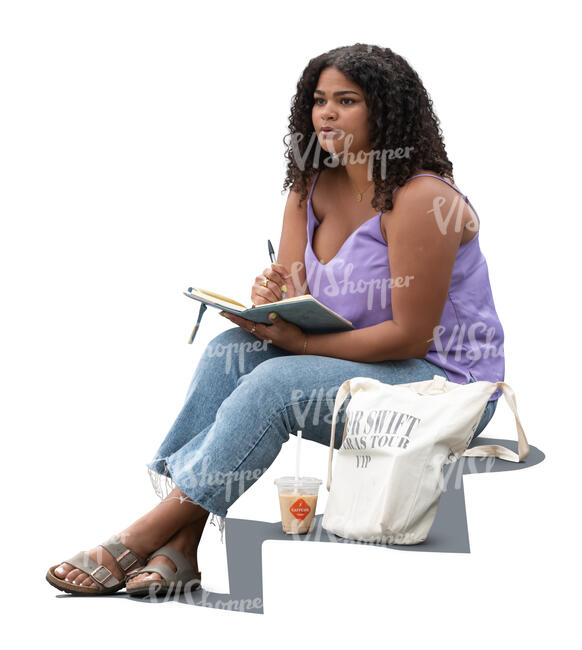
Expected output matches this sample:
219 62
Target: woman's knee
262 379
279 376
231 336
278 393
236 349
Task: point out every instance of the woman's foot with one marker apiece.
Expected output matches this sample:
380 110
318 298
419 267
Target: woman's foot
100 555
143 536
186 541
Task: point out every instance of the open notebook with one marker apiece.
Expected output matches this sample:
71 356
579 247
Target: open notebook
304 311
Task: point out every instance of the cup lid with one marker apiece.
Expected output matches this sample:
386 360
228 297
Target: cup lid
303 481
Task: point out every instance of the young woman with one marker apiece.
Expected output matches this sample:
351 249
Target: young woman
385 239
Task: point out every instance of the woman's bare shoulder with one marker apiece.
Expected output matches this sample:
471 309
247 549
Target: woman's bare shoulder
421 191
449 179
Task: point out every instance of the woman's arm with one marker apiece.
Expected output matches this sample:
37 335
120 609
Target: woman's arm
423 246
291 252
382 342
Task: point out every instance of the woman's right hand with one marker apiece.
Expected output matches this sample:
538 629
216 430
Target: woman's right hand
279 280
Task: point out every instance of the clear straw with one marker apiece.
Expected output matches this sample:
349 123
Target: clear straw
297 457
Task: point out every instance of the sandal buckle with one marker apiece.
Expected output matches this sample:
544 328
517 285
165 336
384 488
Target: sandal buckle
105 579
124 555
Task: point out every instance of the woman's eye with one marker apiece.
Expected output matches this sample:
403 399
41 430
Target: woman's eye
343 99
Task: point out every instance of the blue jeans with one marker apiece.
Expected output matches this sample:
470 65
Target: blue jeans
245 398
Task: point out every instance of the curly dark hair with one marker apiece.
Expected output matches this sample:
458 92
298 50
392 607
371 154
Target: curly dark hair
400 115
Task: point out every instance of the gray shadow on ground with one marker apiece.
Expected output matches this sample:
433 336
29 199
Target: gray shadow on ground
449 533
244 537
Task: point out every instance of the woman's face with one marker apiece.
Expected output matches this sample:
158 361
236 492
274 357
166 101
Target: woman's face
339 104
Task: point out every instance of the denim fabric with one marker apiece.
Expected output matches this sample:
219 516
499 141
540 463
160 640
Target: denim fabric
245 398
487 415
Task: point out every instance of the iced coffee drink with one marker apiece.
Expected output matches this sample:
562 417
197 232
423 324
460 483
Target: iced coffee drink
297 500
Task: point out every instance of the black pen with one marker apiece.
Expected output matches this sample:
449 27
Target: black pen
274 260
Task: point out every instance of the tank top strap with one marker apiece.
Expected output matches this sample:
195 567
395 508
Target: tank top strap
313 184
465 197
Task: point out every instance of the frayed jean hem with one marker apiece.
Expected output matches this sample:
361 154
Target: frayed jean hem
163 483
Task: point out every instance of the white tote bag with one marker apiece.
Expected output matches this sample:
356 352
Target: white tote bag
388 475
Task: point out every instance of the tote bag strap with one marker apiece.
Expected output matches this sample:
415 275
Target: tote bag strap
497 450
342 393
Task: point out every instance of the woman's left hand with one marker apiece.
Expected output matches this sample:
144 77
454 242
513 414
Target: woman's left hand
281 333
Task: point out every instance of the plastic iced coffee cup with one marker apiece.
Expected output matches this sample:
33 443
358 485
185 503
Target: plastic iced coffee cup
298 500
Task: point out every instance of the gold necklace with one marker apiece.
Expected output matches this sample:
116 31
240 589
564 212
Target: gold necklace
360 194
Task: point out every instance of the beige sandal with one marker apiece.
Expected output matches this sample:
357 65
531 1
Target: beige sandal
181 580
106 582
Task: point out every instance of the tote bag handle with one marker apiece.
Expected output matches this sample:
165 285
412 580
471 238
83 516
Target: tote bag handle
342 393
497 450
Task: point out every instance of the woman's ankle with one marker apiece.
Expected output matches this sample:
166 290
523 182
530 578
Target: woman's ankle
143 537
156 528
191 534
186 541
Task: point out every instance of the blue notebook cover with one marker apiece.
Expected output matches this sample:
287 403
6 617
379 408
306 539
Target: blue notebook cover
304 311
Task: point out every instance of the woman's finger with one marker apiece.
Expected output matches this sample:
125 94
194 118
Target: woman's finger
269 294
272 277
269 286
245 323
261 295
281 270
276 273
237 320
288 283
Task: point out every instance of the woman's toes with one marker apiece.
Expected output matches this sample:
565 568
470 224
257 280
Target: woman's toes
71 574
70 577
62 570
152 576
143 577
139 578
79 578
88 582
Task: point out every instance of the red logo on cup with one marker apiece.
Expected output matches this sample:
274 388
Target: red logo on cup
300 509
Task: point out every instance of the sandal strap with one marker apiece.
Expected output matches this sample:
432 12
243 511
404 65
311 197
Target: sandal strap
181 563
99 573
124 557
163 569
184 572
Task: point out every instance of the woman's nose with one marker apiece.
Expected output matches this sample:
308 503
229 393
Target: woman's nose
328 115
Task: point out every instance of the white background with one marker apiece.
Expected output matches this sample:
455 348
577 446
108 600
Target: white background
141 152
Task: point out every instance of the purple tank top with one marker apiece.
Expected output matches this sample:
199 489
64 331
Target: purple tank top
356 283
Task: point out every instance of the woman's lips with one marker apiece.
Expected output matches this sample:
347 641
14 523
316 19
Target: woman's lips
330 133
